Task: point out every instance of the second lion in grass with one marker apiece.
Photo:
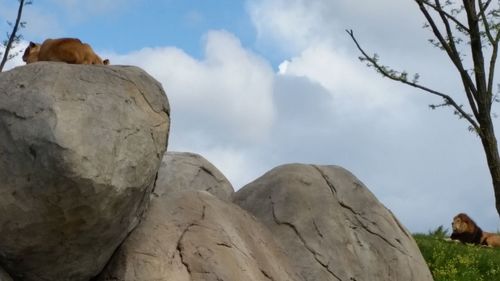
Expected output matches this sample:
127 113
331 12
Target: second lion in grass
466 230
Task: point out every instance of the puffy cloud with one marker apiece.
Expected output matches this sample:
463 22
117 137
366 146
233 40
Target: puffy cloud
289 21
350 83
293 25
418 162
222 105
325 107
421 164
17 60
40 24
228 93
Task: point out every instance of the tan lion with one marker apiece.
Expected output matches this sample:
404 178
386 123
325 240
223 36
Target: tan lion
69 50
466 230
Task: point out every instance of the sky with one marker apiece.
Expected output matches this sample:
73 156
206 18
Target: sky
254 84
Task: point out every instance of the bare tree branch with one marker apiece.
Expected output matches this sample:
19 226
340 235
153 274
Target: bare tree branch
484 19
493 59
483 30
453 54
476 47
382 70
449 33
12 35
493 41
456 53
484 7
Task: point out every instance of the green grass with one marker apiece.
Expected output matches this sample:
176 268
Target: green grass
450 261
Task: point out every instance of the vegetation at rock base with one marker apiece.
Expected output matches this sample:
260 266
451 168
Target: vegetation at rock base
450 261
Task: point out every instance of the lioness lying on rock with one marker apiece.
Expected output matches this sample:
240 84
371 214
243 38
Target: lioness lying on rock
466 230
69 50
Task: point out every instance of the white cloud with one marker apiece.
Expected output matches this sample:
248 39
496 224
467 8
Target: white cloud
293 25
228 93
325 107
415 160
17 60
289 21
351 84
40 24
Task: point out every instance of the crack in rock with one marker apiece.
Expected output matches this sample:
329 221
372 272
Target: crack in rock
139 89
13 114
223 244
153 190
206 170
179 247
327 180
357 215
203 212
200 170
266 275
317 229
316 255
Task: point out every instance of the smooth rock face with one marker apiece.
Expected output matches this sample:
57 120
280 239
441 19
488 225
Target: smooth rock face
80 146
194 236
181 171
331 225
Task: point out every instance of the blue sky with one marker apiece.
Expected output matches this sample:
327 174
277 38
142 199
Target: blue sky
258 83
138 24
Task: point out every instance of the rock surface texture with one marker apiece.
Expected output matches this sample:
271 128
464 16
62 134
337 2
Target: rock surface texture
332 227
80 147
181 171
4 276
194 236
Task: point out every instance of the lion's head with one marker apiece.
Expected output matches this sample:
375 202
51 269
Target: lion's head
465 229
463 223
31 53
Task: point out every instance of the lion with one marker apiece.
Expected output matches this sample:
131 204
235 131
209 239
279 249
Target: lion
69 50
466 230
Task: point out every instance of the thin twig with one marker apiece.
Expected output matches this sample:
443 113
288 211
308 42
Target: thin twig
447 98
454 51
493 42
469 86
451 17
485 6
12 35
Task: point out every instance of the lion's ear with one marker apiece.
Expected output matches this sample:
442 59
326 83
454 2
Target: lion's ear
33 44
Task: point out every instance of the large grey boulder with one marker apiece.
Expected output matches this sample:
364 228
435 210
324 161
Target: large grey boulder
332 226
181 171
194 236
80 146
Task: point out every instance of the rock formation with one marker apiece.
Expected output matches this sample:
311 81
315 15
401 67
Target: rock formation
80 147
181 171
190 234
194 236
332 226
87 193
